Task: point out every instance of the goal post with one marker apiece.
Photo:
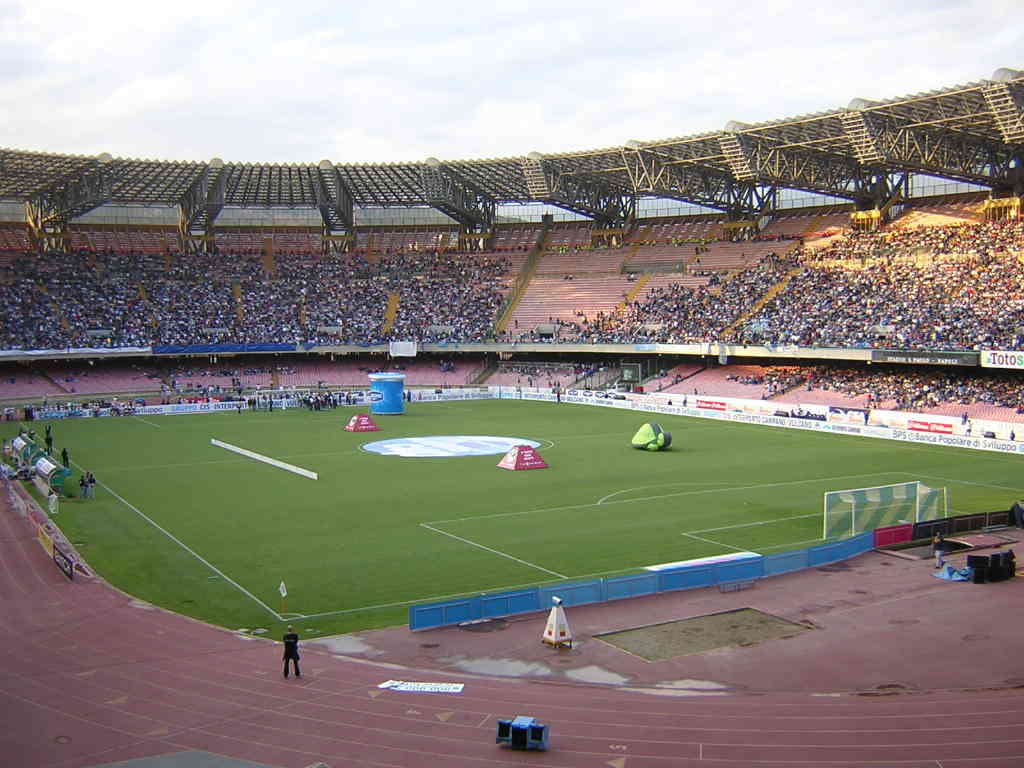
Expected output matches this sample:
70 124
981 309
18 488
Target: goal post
856 510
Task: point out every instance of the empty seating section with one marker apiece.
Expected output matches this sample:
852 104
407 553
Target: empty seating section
567 236
297 241
305 374
664 281
938 214
188 377
152 241
675 256
240 242
535 374
390 240
549 299
746 381
514 237
81 379
673 378
581 262
824 228
679 230
725 256
17 382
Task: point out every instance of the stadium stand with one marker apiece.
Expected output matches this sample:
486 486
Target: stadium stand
74 377
951 286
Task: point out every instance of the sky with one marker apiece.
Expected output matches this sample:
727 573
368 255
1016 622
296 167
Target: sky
399 81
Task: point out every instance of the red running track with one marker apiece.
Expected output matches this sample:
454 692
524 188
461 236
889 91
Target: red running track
91 676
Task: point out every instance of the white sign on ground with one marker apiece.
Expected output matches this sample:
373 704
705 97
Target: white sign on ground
408 687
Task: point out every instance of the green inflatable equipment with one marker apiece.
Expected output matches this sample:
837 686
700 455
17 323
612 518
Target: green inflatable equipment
651 437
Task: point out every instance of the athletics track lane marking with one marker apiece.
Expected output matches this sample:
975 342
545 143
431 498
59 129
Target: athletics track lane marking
184 546
139 418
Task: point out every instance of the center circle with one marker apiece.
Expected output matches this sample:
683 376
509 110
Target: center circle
447 446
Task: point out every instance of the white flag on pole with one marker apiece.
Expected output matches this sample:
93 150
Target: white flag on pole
282 590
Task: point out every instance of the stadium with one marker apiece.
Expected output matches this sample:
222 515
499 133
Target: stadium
824 312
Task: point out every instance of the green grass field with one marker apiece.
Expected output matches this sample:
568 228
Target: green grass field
377 532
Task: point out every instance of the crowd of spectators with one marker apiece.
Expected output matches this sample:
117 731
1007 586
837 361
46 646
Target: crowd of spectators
949 287
961 304
914 389
121 300
982 239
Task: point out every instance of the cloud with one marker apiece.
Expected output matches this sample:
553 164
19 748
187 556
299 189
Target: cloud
404 81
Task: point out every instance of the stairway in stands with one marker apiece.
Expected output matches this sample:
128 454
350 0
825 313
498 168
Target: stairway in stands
768 295
391 312
236 291
635 291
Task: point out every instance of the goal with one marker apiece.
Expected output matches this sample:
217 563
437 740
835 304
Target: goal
857 510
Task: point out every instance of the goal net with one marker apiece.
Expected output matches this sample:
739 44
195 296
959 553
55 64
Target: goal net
857 510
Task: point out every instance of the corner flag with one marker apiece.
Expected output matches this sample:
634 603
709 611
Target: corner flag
282 590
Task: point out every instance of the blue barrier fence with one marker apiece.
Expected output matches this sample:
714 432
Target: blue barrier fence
492 605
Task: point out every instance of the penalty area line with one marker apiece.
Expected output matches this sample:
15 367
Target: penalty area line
265 459
493 551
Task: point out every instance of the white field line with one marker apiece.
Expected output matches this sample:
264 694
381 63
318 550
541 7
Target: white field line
265 459
758 522
603 499
716 543
493 551
508 587
139 418
661 496
967 482
184 546
793 544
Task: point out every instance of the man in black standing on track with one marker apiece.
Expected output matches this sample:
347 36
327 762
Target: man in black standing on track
291 651
65 459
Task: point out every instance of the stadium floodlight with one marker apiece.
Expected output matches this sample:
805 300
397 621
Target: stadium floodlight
634 144
216 163
103 158
536 156
325 165
1005 74
858 104
433 162
735 126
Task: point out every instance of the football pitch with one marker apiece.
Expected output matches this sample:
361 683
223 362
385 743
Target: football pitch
208 533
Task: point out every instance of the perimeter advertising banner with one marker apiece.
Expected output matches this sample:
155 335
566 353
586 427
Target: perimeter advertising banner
999 358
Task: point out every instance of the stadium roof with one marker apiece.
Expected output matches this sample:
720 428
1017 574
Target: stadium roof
972 132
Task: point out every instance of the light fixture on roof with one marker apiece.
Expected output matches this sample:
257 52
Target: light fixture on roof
103 157
325 165
735 126
216 163
1004 74
859 104
634 144
433 162
535 156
